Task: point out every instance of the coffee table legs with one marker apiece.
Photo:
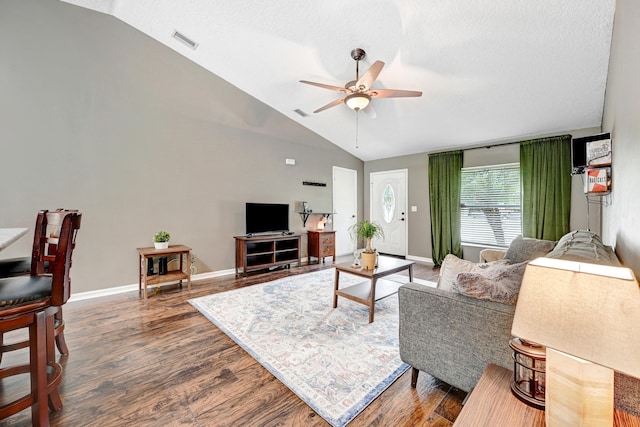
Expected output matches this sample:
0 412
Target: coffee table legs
335 289
372 299
372 294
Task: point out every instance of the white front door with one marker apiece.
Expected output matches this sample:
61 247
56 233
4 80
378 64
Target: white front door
388 207
345 207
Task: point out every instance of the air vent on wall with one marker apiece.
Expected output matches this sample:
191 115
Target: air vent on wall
184 39
300 112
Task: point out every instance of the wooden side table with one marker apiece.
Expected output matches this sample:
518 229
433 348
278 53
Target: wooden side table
491 403
145 280
322 244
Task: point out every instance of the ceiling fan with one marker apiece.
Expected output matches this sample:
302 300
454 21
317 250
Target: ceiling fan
359 92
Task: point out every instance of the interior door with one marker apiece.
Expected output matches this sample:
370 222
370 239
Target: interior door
388 207
345 207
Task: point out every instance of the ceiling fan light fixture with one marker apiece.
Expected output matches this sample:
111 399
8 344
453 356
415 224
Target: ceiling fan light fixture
357 101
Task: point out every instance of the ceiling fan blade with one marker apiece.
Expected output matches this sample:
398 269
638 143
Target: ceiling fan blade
370 76
324 86
370 111
329 105
394 93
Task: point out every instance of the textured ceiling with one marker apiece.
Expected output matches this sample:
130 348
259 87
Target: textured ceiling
489 70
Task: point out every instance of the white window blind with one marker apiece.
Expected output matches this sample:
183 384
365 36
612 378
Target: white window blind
490 205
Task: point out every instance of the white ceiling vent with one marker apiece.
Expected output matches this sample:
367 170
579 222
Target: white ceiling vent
184 39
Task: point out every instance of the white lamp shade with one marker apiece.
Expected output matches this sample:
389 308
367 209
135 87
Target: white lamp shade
585 310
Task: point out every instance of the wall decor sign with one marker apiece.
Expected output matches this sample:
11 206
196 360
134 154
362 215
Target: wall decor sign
599 151
597 180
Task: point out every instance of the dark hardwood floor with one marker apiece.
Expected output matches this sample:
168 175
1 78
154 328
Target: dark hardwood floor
162 363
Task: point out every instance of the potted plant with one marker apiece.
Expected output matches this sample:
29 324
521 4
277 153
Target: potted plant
161 240
367 230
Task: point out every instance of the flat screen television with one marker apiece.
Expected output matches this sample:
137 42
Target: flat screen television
578 153
267 218
586 152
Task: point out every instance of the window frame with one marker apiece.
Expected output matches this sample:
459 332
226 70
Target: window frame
509 231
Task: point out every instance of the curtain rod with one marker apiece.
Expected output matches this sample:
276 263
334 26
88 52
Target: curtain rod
491 146
503 143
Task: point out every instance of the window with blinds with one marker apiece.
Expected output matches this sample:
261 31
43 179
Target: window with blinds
490 210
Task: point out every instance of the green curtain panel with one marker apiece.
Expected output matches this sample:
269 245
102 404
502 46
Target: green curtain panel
545 172
444 198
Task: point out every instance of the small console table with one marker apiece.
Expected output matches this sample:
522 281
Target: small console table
322 244
261 252
145 254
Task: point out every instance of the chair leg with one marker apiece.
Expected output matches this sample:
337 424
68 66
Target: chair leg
414 377
59 328
55 375
38 374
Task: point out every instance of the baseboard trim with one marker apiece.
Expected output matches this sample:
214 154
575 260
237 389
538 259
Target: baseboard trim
419 259
81 296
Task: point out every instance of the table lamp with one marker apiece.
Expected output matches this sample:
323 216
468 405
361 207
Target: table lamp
587 316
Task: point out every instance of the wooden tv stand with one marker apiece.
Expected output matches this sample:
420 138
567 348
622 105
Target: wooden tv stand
261 252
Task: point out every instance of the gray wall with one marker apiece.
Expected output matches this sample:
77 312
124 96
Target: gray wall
622 119
419 224
100 117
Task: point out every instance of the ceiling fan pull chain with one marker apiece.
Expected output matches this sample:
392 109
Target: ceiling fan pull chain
357 129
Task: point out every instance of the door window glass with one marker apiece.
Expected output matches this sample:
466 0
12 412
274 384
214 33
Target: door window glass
388 204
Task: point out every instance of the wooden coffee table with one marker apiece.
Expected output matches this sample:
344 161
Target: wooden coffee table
374 289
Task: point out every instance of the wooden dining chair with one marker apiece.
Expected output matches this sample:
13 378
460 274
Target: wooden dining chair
31 302
44 238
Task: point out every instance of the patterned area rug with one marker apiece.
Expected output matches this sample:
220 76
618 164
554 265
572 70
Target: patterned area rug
333 359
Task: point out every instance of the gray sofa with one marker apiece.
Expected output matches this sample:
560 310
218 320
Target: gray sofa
454 337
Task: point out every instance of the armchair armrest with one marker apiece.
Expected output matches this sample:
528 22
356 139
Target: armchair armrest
488 255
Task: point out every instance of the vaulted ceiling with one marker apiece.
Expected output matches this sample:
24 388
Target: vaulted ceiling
489 70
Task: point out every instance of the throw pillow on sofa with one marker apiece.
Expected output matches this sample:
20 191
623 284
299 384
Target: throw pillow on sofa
526 248
452 265
584 246
498 283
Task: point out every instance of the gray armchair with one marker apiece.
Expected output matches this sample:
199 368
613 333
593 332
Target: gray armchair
451 336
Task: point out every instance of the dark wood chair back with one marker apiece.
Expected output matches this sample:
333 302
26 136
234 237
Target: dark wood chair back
53 244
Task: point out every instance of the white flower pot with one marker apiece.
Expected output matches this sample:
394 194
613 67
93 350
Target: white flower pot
161 245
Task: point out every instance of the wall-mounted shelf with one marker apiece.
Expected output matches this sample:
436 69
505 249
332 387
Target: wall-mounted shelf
305 216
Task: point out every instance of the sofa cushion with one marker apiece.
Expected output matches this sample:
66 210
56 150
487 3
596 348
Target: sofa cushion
500 283
584 246
452 265
526 248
